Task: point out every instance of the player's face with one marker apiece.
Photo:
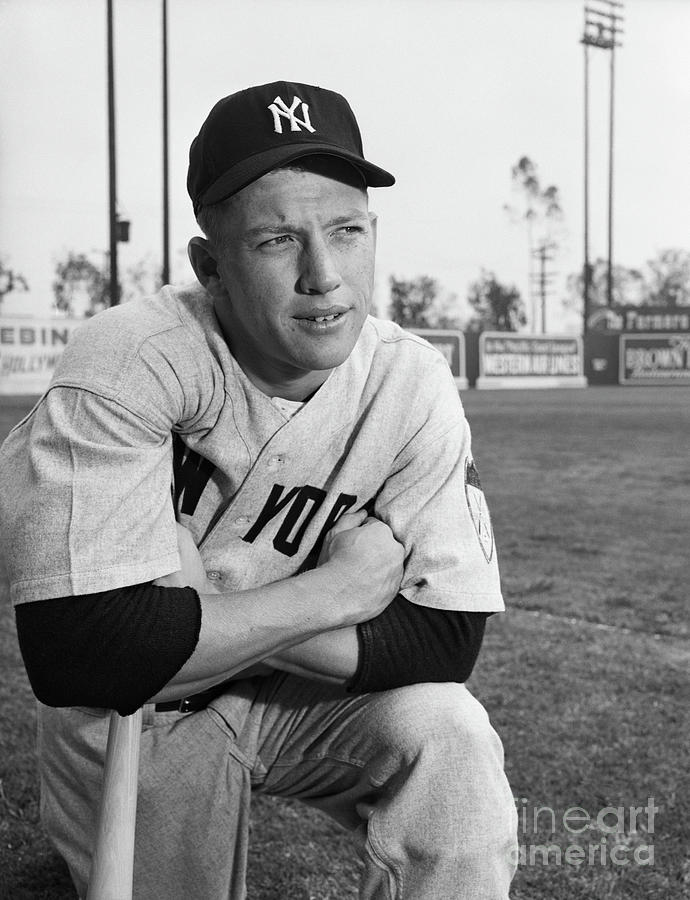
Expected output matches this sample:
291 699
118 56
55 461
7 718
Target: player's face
296 275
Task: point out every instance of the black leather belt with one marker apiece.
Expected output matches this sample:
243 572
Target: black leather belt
194 702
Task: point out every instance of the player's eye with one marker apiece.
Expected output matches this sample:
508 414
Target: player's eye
278 241
347 230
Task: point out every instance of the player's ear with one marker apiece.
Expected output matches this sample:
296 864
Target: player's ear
204 261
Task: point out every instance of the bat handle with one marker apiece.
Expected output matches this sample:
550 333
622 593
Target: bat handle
112 865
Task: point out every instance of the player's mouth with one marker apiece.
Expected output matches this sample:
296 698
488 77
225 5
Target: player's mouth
331 318
323 320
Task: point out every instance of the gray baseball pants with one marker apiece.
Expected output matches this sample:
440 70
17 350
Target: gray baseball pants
424 758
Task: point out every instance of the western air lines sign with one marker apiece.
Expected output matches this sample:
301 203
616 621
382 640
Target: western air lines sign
30 350
662 359
514 360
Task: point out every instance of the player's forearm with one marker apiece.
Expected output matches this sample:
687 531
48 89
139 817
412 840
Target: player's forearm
331 657
241 629
358 574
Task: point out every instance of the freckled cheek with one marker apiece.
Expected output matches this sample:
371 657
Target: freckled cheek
357 271
361 282
270 296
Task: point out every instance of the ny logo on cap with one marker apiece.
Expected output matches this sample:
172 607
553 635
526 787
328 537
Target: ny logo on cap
280 108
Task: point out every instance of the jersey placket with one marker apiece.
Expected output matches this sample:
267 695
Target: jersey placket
277 489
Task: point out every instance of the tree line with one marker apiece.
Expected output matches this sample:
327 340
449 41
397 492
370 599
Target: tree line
81 282
664 280
418 302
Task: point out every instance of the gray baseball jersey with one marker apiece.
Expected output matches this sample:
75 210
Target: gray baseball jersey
151 385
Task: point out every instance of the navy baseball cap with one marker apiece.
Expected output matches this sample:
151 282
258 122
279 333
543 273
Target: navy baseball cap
249 133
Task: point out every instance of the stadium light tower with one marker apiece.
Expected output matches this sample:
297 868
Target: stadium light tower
602 27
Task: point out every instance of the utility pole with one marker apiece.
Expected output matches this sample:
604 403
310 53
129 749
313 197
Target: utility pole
112 174
165 274
544 279
602 27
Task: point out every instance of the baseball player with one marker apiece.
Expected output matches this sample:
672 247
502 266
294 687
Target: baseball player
252 508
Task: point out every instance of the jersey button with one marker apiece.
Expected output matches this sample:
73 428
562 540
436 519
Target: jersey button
242 520
213 575
277 460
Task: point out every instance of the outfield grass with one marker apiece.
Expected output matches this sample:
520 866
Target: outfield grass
585 677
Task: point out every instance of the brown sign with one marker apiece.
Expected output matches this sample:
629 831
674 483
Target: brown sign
662 359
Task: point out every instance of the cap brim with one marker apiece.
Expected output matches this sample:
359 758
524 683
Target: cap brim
243 173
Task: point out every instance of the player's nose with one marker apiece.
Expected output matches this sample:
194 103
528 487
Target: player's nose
319 271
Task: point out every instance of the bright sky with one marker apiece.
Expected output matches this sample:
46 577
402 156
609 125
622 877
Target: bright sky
449 95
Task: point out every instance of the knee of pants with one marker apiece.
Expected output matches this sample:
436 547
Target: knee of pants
449 785
446 716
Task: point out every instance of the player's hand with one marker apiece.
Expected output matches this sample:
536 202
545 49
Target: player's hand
345 523
366 563
192 573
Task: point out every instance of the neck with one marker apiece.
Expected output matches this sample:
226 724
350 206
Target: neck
298 388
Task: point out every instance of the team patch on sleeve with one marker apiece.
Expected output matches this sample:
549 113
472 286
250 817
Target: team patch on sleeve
479 511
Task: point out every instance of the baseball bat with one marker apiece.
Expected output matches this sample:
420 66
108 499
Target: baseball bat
112 865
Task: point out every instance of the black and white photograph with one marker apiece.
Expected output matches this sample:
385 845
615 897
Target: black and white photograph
344 442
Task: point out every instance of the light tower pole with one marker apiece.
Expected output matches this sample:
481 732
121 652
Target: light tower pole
602 27
112 174
166 202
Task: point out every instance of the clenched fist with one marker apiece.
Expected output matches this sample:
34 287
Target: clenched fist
366 562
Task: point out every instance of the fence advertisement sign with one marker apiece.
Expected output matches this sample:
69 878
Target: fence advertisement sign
662 359
509 360
640 319
656 318
29 351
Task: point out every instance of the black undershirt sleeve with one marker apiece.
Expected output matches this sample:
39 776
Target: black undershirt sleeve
118 648
411 644
113 649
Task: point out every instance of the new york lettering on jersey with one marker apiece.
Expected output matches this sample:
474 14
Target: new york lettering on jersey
298 505
301 505
191 473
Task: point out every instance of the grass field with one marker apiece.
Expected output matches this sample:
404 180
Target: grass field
585 677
